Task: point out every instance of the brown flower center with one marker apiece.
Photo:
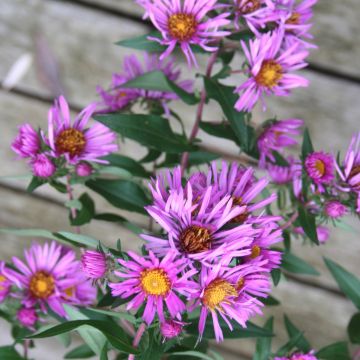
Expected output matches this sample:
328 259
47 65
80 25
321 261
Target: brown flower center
270 74
248 6
70 141
195 239
217 292
294 19
41 285
355 171
320 167
255 252
241 218
182 26
155 282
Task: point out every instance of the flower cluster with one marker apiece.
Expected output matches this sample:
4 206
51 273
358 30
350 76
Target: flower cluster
49 278
214 253
65 144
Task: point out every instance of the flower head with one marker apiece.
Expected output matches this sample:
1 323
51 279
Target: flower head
277 136
335 209
83 169
154 282
170 329
186 23
5 284
281 175
27 317
75 141
45 277
27 142
320 168
94 264
270 69
42 166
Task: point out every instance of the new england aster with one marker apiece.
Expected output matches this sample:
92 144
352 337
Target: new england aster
186 23
27 142
320 168
270 69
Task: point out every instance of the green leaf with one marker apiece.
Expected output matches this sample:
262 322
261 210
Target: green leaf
263 345
337 351
9 353
120 220
201 157
151 156
270 301
81 352
192 353
129 164
238 332
308 223
35 183
77 239
348 283
118 315
293 331
86 213
293 264
291 344
151 131
123 194
110 330
244 35
156 80
276 276
221 130
104 352
307 146
354 329
142 43
29 232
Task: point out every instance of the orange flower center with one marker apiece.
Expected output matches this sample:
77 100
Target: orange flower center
217 292
320 167
70 141
70 291
41 285
182 26
248 6
255 252
270 74
2 280
155 282
195 239
294 19
240 284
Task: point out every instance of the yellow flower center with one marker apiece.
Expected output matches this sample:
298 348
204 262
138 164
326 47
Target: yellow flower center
294 19
270 74
41 285
195 239
2 280
70 141
320 167
255 251
217 292
248 6
182 26
155 282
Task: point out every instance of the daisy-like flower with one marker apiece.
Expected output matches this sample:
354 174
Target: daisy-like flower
223 292
335 209
277 136
320 168
27 142
154 282
270 69
282 175
117 97
5 284
75 141
45 277
187 23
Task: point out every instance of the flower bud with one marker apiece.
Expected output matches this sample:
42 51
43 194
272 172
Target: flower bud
171 328
83 169
94 264
42 166
335 209
27 317
27 142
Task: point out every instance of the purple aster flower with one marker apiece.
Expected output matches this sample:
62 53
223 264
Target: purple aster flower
117 97
5 284
74 141
335 209
42 166
153 281
223 292
83 169
27 317
187 23
27 142
94 264
270 69
170 329
45 276
282 175
320 168
276 136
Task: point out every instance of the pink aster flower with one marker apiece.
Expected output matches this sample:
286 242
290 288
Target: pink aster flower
154 282
27 317
270 69
277 136
94 264
222 292
282 175
45 277
118 97
75 141
335 209
299 356
83 169
27 142
170 329
187 23
42 166
5 284
320 168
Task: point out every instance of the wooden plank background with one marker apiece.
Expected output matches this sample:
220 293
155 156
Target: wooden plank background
79 35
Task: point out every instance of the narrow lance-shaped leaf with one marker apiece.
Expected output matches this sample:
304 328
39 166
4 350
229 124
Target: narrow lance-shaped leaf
294 264
292 331
127 163
142 43
308 223
263 345
354 329
307 146
337 351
